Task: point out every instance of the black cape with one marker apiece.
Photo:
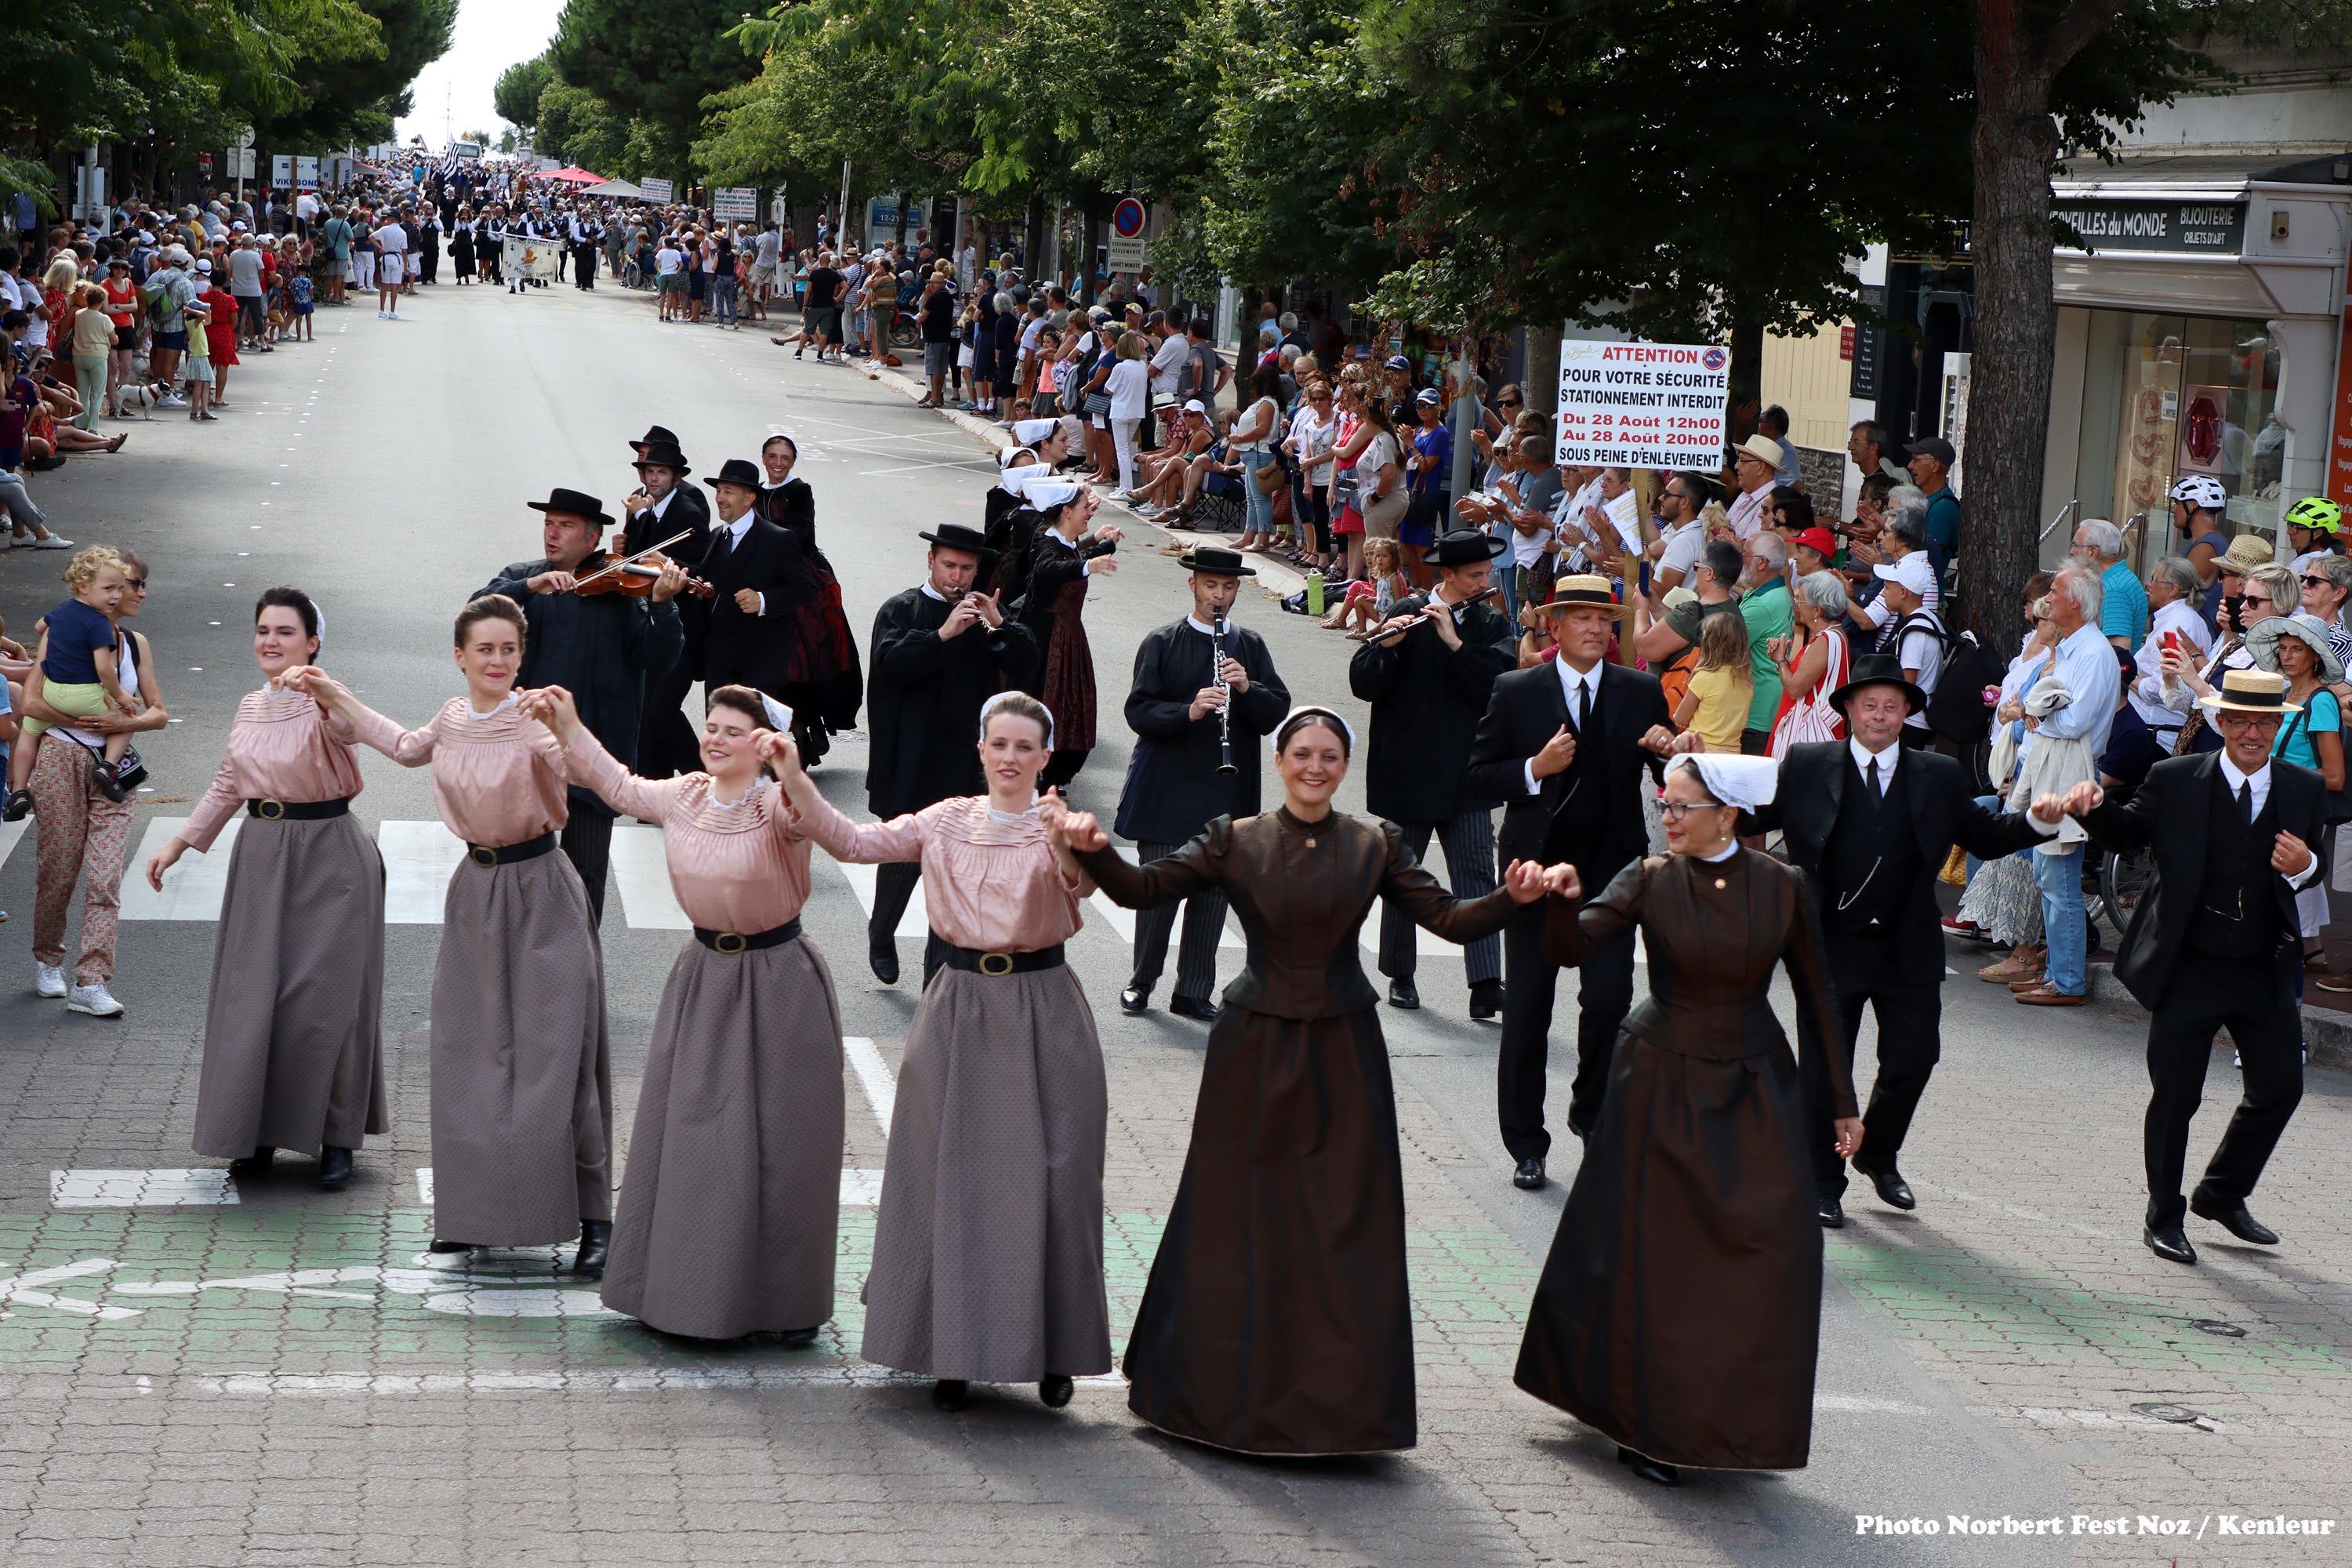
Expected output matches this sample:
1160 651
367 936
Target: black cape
923 703
1173 789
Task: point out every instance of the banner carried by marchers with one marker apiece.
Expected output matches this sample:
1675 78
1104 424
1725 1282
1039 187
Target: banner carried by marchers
1642 406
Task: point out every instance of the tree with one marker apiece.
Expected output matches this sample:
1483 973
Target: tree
516 95
654 64
355 98
574 126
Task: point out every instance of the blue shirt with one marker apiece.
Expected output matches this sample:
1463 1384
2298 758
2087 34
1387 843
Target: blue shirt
1436 450
76 632
1943 527
2084 663
2319 716
2123 605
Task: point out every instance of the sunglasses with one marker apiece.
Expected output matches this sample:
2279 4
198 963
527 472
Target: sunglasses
1508 402
2257 598
2318 582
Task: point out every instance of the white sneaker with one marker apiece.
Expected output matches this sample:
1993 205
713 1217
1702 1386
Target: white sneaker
173 401
53 543
49 979
94 1000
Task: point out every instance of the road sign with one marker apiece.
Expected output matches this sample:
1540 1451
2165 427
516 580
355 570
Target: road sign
1126 219
1127 251
734 204
1642 406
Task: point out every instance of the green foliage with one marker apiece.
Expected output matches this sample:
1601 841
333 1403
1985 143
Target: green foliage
517 93
355 96
653 65
574 126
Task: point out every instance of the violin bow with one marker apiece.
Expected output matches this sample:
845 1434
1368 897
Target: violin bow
610 567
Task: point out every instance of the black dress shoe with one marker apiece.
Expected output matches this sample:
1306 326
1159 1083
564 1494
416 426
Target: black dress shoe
595 1243
1403 994
1529 1175
2169 1244
1649 1470
1833 1215
884 956
1131 1000
1486 998
2234 1219
798 1339
1056 1390
1892 1188
254 1164
335 1169
948 1393
1199 1007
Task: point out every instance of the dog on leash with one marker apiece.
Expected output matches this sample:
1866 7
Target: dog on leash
141 396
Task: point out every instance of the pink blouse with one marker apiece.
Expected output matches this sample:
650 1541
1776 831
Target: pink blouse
497 777
282 746
990 882
741 868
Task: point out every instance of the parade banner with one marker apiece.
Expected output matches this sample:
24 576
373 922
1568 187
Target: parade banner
735 204
1642 406
656 190
306 174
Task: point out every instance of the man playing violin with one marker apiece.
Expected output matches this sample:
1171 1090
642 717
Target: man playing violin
601 648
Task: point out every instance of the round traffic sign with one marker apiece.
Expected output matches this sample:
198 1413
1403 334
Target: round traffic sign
1127 218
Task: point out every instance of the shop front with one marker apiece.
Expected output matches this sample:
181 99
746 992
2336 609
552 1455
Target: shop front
2199 330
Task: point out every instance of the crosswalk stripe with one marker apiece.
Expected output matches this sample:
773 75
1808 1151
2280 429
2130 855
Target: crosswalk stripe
10 832
417 859
916 921
873 1076
641 870
90 1189
192 889
861 1186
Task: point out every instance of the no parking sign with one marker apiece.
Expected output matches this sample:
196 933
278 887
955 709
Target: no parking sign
1129 250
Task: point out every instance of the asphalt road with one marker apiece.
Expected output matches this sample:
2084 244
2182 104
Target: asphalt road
1982 1357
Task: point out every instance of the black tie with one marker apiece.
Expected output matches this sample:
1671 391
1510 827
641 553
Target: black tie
1874 792
2246 802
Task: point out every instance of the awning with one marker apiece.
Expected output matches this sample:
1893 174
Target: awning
621 188
573 176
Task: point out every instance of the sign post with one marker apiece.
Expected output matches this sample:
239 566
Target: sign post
1642 406
734 204
1129 250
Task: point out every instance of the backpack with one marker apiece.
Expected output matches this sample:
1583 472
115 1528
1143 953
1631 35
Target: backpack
1957 709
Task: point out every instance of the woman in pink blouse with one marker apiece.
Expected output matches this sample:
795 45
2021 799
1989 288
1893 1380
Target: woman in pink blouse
988 1246
734 1197
293 1030
522 1099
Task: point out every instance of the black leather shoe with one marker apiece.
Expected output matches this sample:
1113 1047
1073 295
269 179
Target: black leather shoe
1529 1175
884 956
254 1164
595 1241
335 1169
1833 1215
1131 1000
798 1339
1649 1470
2169 1244
948 1394
1056 1390
1486 998
2234 1219
1199 1007
1892 1188
1403 994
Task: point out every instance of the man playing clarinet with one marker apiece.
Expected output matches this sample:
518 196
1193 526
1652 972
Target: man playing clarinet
1205 696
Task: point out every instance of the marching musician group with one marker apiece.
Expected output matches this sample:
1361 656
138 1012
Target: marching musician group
1679 1310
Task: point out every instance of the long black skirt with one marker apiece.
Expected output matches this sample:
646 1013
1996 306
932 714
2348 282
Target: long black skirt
1679 1312
1277 1319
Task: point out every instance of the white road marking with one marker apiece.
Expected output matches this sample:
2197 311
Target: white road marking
916 920
192 889
18 1291
873 1076
10 832
424 1185
641 870
89 1189
662 1380
418 857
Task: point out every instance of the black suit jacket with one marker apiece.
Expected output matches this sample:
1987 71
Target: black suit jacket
2170 810
1426 702
1943 813
742 648
1527 709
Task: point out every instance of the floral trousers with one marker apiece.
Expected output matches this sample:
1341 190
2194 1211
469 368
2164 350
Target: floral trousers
82 837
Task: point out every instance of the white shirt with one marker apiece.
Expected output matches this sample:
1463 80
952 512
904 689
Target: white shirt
1684 543
2147 666
2260 782
1581 690
735 532
1864 757
393 238
1130 379
1747 515
1167 364
1576 528
1923 650
668 261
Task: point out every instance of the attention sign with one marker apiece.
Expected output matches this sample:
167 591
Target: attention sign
1642 406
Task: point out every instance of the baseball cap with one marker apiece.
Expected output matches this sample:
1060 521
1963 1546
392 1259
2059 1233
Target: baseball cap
1427 398
1912 572
1195 405
1819 539
203 266
1398 362
1935 447
237 228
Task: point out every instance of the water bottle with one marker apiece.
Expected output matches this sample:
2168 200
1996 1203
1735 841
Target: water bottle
1314 591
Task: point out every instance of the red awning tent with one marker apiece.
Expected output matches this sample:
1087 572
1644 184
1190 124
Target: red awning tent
571 177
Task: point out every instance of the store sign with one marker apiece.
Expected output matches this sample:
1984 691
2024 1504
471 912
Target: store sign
1869 341
2200 229
1642 406
2339 433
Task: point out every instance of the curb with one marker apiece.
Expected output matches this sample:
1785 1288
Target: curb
2327 1034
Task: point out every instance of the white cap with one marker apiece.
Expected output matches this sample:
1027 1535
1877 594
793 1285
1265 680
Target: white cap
1744 781
1912 572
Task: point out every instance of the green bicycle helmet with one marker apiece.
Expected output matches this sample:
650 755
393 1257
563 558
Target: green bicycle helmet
2316 513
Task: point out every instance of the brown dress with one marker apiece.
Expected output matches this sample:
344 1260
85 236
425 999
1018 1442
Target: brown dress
1277 1319
1053 609
1680 1310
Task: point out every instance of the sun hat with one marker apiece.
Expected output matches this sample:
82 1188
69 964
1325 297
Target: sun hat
1764 449
2264 638
2246 552
2250 691
1584 592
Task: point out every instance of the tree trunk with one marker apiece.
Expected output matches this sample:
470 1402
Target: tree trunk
1747 377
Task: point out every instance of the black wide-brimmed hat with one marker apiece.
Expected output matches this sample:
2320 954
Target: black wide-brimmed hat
1464 547
737 471
1211 561
656 435
956 536
665 455
1878 669
578 503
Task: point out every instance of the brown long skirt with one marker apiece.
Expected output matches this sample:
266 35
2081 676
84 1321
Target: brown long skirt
731 1201
988 1247
1680 1311
294 1027
522 1095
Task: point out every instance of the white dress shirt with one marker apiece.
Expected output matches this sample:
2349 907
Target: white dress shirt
2259 782
1864 757
735 532
1581 690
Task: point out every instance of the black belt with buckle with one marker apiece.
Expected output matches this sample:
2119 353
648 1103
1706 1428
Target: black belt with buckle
981 963
297 810
736 942
508 854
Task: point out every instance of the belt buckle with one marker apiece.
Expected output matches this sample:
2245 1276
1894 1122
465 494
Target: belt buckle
269 810
731 941
484 857
989 959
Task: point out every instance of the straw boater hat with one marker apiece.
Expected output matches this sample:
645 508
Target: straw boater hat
2250 691
1585 591
2247 551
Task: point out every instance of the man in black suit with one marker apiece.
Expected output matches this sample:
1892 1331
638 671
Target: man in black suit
761 577
1871 824
1566 743
664 505
2215 944
1429 685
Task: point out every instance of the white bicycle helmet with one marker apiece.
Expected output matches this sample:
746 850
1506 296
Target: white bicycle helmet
2202 491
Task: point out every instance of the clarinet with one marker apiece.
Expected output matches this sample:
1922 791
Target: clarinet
1225 713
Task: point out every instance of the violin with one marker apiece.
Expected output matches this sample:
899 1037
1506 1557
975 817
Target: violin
633 576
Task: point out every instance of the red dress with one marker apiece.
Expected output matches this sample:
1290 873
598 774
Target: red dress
220 329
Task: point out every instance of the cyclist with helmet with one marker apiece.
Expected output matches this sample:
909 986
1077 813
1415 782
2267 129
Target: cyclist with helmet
2198 503
2315 529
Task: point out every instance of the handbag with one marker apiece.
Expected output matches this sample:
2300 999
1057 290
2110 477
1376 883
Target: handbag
1812 718
1270 477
